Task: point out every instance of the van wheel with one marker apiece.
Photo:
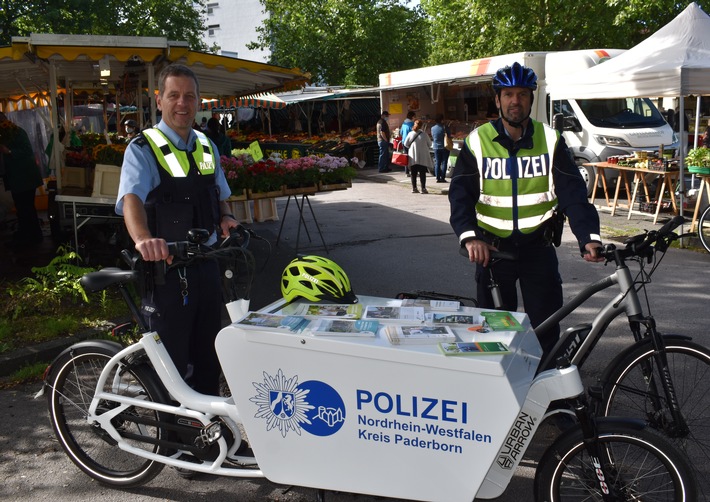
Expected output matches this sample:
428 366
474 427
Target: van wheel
587 175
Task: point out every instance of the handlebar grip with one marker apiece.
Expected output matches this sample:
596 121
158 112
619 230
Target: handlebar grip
671 225
495 255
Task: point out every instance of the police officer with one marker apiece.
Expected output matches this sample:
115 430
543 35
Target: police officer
511 178
171 181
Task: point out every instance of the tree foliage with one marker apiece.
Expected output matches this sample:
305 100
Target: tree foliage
173 19
344 42
465 29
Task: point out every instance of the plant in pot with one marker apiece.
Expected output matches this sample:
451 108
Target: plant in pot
699 157
266 176
300 173
336 170
236 171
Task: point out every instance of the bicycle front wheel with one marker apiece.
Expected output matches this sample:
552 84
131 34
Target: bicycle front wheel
632 388
642 465
71 385
704 228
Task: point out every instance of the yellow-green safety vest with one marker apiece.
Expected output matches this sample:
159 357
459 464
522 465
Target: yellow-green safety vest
516 192
174 160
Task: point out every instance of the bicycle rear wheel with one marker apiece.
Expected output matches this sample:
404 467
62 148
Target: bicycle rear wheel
71 385
642 466
632 388
704 228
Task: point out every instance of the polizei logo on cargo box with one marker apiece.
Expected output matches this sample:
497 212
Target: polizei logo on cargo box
287 405
395 420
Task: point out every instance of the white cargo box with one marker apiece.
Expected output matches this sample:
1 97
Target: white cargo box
345 410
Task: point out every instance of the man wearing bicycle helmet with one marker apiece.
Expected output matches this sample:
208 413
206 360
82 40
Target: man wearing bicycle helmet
171 181
512 176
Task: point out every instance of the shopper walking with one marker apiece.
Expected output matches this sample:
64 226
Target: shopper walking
418 145
404 130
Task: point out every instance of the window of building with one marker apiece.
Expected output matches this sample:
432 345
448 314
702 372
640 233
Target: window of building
211 7
211 29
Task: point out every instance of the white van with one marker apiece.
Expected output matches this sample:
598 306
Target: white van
596 129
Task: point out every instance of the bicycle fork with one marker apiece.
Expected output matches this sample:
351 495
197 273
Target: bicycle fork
677 426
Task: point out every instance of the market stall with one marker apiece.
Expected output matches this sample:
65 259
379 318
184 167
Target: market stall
122 70
303 138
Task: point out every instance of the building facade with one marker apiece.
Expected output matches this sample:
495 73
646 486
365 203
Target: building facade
231 24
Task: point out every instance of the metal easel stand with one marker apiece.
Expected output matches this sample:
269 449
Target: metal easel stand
301 222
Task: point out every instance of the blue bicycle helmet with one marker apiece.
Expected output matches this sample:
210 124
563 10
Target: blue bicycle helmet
515 76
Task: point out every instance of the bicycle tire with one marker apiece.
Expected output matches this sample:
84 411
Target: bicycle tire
623 386
71 384
645 466
704 228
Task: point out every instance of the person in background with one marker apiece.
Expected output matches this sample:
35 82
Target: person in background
404 130
512 178
21 177
131 127
171 181
441 154
221 140
383 141
418 144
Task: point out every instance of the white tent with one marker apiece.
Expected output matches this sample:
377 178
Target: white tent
673 62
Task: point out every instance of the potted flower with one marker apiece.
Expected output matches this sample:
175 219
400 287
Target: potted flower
266 179
336 173
301 175
237 174
111 155
698 160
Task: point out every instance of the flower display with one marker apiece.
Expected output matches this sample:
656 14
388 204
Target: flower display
336 169
108 154
236 171
78 158
266 176
271 174
301 172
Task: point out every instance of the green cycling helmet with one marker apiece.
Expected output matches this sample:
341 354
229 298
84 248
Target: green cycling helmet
316 279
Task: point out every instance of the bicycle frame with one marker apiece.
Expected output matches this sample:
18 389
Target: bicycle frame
201 408
578 347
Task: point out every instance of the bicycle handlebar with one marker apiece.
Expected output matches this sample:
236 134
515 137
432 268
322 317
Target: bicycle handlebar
642 245
495 255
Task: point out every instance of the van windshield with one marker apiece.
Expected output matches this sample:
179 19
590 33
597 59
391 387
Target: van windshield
621 113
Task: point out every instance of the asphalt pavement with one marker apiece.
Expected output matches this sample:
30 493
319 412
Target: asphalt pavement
388 240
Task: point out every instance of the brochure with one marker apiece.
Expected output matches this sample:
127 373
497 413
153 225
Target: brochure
257 320
343 327
451 318
473 348
419 334
502 321
394 313
331 311
446 305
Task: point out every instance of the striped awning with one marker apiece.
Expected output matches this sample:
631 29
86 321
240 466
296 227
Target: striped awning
266 100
